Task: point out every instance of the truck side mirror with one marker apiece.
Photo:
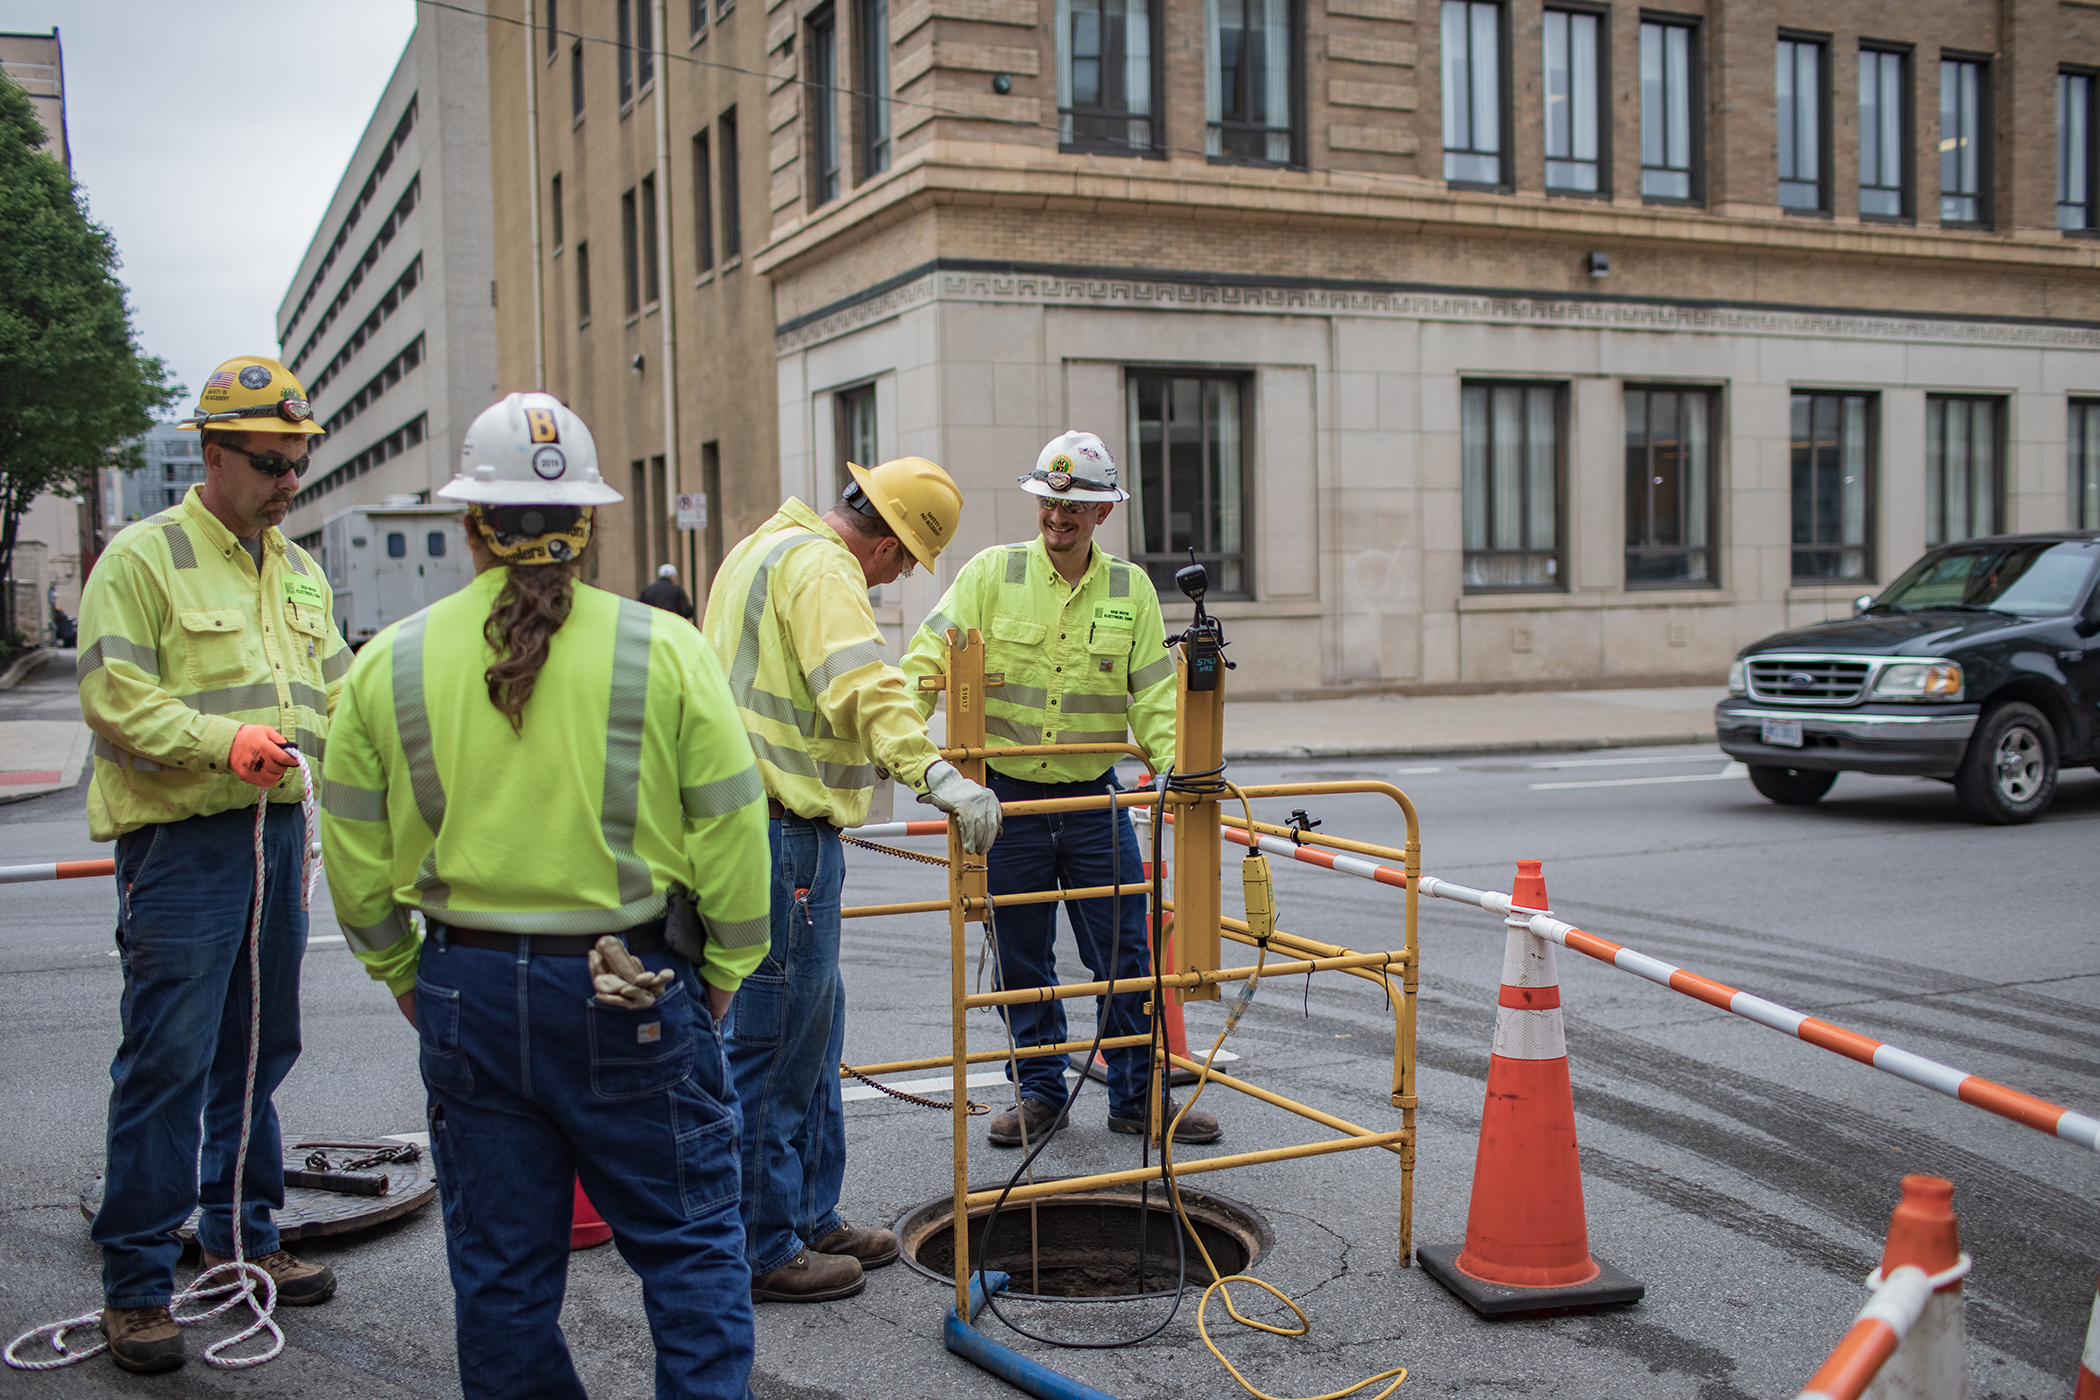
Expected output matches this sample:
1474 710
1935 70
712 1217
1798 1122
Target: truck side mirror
2089 621
1862 603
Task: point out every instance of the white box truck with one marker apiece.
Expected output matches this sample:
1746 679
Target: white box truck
385 562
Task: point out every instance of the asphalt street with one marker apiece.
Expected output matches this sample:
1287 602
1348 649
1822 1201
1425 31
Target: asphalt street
1745 1177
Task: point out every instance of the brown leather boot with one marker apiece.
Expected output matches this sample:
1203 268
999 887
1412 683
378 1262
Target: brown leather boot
145 1341
299 1284
810 1278
1042 1120
873 1248
1197 1125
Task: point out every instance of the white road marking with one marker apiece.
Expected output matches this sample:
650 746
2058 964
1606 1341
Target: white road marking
1733 770
324 938
1623 762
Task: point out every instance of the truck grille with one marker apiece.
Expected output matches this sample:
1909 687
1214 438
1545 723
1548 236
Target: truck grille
1807 681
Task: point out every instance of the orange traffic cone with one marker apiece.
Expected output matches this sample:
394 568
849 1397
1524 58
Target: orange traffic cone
587 1228
2089 1363
1933 1361
1527 1245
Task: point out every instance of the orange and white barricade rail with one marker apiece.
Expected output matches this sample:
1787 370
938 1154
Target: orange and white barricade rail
1883 1324
879 831
56 870
1910 1341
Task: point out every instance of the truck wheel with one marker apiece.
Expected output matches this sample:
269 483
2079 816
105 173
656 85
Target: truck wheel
2009 773
1796 787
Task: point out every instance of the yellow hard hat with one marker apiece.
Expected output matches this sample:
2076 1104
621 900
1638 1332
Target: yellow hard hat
253 394
918 500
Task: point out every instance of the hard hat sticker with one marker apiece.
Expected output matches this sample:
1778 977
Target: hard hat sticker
548 462
222 380
255 377
541 427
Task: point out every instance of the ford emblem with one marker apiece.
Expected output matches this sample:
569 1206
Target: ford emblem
1800 679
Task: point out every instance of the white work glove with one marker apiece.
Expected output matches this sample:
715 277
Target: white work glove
621 980
974 807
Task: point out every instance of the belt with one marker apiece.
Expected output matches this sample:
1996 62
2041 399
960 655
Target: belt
780 813
642 938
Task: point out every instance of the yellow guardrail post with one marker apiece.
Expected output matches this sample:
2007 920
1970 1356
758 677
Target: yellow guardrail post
1199 747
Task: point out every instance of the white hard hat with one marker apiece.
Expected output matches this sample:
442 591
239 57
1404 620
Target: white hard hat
529 450
1075 467
667 571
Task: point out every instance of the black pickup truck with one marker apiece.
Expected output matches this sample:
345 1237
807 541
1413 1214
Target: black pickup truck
1980 666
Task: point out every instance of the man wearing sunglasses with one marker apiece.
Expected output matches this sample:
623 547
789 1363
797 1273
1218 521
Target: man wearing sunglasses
1079 636
206 639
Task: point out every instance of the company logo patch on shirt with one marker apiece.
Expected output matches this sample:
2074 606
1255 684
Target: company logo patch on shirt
302 590
648 1032
1111 612
1108 663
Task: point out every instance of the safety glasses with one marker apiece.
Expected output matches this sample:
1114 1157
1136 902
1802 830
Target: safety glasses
272 464
1049 505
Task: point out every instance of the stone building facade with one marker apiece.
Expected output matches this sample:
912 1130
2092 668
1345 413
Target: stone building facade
1471 343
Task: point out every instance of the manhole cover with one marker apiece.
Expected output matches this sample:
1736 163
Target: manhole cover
308 1212
1086 1246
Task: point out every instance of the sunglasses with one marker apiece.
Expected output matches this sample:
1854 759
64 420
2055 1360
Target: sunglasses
272 464
1049 505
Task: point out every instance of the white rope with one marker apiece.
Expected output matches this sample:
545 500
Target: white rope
235 1280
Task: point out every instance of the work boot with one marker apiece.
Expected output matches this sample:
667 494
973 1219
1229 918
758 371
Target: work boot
1197 1125
810 1278
1042 1120
873 1248
299 1284
144 1341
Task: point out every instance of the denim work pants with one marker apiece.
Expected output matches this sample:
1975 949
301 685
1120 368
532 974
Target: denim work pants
184 894
1070 850
787 1034
533 1084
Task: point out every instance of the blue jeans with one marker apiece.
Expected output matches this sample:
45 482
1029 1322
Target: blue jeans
1070 850
787 1034
184 891
532 1084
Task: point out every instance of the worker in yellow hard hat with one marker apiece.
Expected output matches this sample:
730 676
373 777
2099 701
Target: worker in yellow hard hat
206 651
829 715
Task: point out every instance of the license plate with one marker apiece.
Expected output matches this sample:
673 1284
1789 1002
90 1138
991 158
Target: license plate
1784 732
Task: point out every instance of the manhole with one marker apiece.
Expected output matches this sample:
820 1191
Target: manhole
309 1212
1086 1246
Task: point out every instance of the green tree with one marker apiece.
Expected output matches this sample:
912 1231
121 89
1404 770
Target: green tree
73 385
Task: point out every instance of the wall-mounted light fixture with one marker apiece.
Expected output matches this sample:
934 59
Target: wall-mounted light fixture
1599 264
1002 83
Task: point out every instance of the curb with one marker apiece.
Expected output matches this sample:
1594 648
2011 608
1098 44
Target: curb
1446 748
26 664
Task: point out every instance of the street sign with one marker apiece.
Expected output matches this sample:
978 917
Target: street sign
692 511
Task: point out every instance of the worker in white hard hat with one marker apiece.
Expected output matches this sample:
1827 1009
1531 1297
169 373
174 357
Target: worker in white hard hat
829 715
1079 636
666 594
555 779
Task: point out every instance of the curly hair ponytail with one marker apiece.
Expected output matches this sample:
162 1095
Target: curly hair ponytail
531 609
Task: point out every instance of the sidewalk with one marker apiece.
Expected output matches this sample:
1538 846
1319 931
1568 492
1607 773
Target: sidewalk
43 742
1397 726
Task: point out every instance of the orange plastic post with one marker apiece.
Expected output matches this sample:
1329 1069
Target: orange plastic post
587 1228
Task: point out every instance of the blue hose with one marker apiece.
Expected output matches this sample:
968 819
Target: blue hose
1003 1361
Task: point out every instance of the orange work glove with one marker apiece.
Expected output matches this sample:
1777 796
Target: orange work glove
257 755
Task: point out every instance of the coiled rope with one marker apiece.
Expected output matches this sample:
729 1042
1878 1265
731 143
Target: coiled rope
235 1281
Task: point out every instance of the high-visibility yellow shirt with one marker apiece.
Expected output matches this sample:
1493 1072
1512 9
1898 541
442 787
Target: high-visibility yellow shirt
182 641
1080 663
818 688
629 774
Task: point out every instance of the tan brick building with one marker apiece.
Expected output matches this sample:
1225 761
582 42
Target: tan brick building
1472 342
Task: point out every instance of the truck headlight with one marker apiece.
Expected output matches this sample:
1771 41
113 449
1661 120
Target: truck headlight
1737 681
1920 680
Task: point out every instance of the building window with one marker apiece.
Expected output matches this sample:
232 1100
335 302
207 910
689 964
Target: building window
2085 464
1884 141
576 80
1667 111
554 208
823 98
1574 130
1247 85
1104 75
1800 97
553 27
583 284
1831 456
1670 496
2074 150
1472 42
853 432
874 25
630 253
644 44
1961 468
1190 484
732 200
703 204
1961 142
651 290
1509 438
625 22
696 17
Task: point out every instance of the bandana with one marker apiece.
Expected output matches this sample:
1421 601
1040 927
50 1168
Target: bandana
558 547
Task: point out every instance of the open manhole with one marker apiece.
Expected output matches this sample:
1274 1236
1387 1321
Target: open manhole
1086 1246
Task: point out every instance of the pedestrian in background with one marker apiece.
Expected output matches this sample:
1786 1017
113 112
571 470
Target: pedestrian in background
666 594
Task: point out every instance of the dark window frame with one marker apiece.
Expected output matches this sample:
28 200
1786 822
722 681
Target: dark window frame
730 161
1936 496
1602 14
1824 146
846 403
1695 113
1870 407
630 254
624 11
583 283
1161 565
1557 570
703 202
1907 132
1155 120
555 210
553 28
1646 547
871 41
696 19
652 283
1294 114
1986 146
820 103
2082 478
2090 227
576 82
1505 153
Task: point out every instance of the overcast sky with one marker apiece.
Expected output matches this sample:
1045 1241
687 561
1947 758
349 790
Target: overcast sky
209 137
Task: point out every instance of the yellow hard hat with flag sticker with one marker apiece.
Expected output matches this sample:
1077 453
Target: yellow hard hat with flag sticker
254 394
